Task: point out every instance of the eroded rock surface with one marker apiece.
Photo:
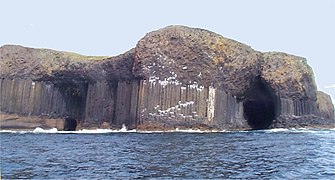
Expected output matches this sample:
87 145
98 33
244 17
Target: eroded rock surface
175 77
289 75
56 66
325 105
196 56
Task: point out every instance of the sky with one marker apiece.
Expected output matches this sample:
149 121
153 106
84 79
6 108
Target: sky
103 27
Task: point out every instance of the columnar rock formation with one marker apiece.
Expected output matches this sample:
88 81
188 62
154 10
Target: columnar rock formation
175 77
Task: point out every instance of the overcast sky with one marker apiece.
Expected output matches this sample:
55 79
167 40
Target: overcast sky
100 27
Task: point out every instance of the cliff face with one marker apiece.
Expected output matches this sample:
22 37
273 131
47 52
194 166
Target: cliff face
196 56
325 105
175 77
60 67
292 80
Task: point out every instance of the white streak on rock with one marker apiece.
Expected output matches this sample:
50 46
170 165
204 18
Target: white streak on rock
211 103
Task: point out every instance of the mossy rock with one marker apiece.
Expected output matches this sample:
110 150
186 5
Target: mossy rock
290 76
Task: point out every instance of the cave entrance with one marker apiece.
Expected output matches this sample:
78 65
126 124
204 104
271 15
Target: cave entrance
70 124
260 105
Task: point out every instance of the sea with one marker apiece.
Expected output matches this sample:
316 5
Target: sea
178 154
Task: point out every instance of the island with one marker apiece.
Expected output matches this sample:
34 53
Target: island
175 77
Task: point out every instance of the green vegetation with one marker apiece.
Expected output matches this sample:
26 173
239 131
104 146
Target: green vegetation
79 57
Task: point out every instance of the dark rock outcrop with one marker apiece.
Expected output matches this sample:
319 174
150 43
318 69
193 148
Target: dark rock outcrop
290 76
196 56
174 77
325 105
62 67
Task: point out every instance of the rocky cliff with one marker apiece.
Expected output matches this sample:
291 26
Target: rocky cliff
174 77
325 105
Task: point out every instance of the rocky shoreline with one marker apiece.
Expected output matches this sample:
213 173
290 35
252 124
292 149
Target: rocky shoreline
175 77
29 123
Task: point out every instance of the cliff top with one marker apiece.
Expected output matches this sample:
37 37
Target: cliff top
177 53
50 65
195 56
50 52
288 74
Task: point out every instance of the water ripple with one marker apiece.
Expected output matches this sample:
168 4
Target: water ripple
280 154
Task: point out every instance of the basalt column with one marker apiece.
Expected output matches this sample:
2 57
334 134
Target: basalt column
74 95
100 103
126 104
175 77
27 97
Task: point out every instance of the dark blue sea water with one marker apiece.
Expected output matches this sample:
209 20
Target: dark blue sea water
272 154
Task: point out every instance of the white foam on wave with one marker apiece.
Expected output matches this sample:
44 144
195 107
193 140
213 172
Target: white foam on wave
196 131
177 130
307 130
101 131
183 131
298 130
83 131
12 131
277 130
40 130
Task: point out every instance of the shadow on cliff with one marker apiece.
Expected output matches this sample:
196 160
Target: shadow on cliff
74 95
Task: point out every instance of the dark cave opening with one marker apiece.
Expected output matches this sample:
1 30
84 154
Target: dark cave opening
70 124
260 105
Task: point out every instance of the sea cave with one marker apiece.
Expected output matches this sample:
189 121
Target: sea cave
260 105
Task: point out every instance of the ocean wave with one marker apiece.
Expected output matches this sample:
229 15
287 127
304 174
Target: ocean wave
40 130
124 129
297 130
102 131
277 130
83 131
184 131
12 131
